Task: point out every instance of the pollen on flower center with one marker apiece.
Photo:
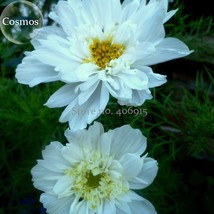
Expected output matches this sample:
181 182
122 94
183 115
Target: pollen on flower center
103 51
92 181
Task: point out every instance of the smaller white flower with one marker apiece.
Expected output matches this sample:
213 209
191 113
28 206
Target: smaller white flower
96 173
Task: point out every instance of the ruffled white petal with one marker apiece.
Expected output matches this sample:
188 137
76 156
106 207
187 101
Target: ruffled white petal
45 32
55 52
63 186
94 133
55 205
151 22
109 207
122 92
53 159
82 207
169 15
44 180
83 72
81 115
167 49
139 207
111 7
64 15
137 99
125 33
134 79
87 89
33 72
129 8
123 207
82 141
154 79
62 97
146 175
105 145
132 165
48 171
126 140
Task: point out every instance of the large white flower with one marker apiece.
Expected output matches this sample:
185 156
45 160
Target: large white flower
96 172
99 48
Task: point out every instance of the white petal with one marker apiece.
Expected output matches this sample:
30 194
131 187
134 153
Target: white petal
62 97
151 23
65 16
55 52
173 44
168 49
144 49
105 145
129 8
147 174
94 133
123 208
44 32
139 207
125 33
63 185
169 15
109 207
126 140
33 72
137 99
53 165
40 173
154 79
44 179
115 170
53 159
73 153
52 151
132 165
76 136
133 196
81 115
111 7
53 162
80 142
118 89
86 90
82 207
56 205
84 71
134 79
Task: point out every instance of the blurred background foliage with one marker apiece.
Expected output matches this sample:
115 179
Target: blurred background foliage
179 123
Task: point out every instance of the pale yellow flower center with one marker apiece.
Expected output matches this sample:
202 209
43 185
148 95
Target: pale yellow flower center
92 181
103 51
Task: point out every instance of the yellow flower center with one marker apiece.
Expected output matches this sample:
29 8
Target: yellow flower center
103 51
92 181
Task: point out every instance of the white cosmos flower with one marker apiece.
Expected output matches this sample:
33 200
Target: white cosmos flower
96 173
100 48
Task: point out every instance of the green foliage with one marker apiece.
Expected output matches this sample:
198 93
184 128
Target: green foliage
26 127
188 115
